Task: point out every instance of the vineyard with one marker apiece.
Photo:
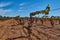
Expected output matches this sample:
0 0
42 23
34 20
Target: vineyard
31 27
42 29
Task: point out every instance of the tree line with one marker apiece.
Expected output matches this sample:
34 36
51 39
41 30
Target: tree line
18 17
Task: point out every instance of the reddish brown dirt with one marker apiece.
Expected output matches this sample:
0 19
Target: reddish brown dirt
46 31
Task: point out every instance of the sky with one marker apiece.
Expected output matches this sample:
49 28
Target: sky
24 7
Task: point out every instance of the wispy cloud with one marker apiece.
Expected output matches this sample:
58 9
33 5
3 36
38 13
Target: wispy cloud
20 10
9 12
4 11
5 4
22 4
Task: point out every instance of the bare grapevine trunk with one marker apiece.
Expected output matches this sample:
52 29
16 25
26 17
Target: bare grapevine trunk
52 23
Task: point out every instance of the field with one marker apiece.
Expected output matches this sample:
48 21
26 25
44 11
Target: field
44 29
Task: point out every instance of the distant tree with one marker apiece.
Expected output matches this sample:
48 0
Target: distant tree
57 17
0 17
45 17
4 18
17 17
52 17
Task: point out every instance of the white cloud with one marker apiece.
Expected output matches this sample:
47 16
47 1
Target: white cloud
9 12
6 10
19 10
22 4
3 11
5 4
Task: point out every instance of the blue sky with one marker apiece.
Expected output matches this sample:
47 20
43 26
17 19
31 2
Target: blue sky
25 7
